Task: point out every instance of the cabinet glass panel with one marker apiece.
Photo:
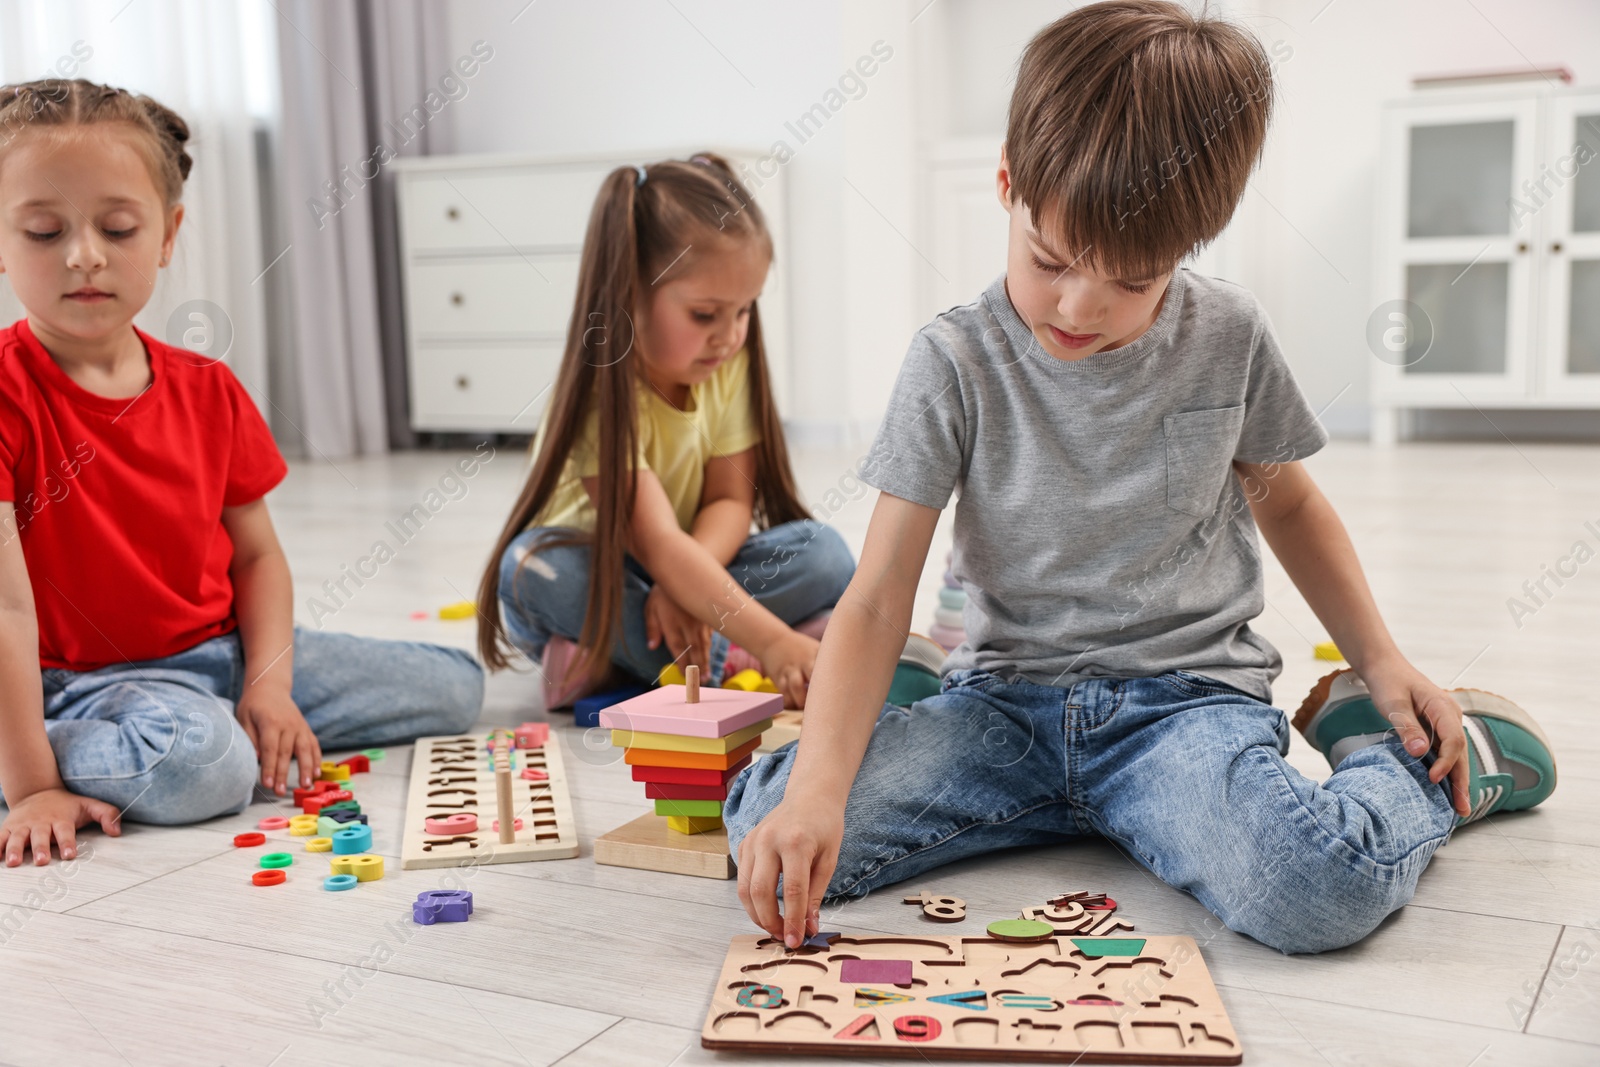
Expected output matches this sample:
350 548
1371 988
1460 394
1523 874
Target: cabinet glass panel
1460 179
1586 183
1466 309
1583 318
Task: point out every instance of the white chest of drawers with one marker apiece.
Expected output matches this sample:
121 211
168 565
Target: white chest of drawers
489 249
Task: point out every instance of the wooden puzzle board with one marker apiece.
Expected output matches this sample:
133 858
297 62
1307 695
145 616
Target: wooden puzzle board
450 775
1042 1001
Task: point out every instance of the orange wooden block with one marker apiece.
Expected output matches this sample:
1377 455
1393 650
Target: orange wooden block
709 761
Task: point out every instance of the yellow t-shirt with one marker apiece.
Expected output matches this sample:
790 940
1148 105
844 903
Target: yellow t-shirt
674 445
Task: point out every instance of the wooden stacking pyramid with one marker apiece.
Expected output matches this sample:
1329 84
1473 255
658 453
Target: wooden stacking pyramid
685 745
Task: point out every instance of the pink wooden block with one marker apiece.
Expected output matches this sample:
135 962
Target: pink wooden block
877 972
459 823
664 711
534 774
532 734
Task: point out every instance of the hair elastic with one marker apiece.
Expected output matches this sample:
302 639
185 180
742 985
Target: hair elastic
640 169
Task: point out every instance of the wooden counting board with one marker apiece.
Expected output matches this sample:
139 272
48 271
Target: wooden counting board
455 775
1065 999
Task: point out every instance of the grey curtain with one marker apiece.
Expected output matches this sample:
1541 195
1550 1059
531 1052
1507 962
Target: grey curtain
350 70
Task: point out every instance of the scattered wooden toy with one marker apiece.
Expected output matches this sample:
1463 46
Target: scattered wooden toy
1020 931
586 712
677 737
249 840
441 906
461 609
276 859
274 876
1147 999
332 772
359 764
352 840
338 882
941 909
1079 913
273 822
319 844
453 776
366 868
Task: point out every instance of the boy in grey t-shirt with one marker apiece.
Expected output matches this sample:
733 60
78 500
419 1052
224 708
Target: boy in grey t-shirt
1115 431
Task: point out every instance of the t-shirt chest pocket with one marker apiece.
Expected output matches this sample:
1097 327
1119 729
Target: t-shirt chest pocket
1200 446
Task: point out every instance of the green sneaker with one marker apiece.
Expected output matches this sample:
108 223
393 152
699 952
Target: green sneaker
1511 762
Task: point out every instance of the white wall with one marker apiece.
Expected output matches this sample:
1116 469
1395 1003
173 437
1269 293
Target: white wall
632 74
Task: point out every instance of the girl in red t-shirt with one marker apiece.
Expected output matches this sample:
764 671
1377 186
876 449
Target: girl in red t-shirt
147 646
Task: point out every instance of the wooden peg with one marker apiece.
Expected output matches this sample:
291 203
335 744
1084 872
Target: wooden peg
502 797
691 684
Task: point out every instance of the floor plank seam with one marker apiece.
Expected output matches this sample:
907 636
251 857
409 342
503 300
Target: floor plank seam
145 881
1533 1005
593 1038
1430 1018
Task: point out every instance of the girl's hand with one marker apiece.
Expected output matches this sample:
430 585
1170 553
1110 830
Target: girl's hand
1422 713
278 730
52 812
687 638
788 661
799 841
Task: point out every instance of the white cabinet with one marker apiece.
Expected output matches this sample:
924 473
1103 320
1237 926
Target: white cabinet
1488 281
490 247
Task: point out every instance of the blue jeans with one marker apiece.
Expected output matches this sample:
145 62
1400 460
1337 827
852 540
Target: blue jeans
159 740
1185 774
794 571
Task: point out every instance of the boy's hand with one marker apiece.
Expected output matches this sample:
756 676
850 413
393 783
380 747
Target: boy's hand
52 812
688 639
278 730
1421 712
799 841
788 661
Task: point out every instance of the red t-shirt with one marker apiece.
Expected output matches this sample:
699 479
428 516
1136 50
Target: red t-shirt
119 501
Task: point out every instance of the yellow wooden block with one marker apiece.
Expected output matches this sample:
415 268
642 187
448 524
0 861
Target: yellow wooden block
694 824
333 772
671 674
751 681
366 867
679 743
303 826
1329 651
461 609
320 844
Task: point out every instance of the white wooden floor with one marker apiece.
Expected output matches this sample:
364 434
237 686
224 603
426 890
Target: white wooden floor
154 949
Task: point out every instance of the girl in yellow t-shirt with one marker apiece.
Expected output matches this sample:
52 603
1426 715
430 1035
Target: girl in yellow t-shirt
630 546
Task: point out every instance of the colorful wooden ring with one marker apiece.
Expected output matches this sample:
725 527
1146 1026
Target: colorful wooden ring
247 840
303 829
373 753
534 774
516 824
459 823
276 859
319 844
273 877
336 882
272 822
1109 905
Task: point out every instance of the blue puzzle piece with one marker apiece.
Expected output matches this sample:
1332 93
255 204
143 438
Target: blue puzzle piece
442 906
352 840
820 939
586 712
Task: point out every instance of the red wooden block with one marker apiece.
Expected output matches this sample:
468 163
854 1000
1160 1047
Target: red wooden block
358 764
669 791
312 805
689 775
316 787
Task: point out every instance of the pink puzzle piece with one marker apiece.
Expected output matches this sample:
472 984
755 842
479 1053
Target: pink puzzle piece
875 972
532 734
664 711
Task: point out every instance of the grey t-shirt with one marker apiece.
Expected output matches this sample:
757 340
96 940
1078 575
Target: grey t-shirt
1099 530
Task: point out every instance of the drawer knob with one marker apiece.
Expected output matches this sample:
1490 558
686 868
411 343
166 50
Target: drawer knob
452 212
457 299
461 381
1556 247
1522 246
